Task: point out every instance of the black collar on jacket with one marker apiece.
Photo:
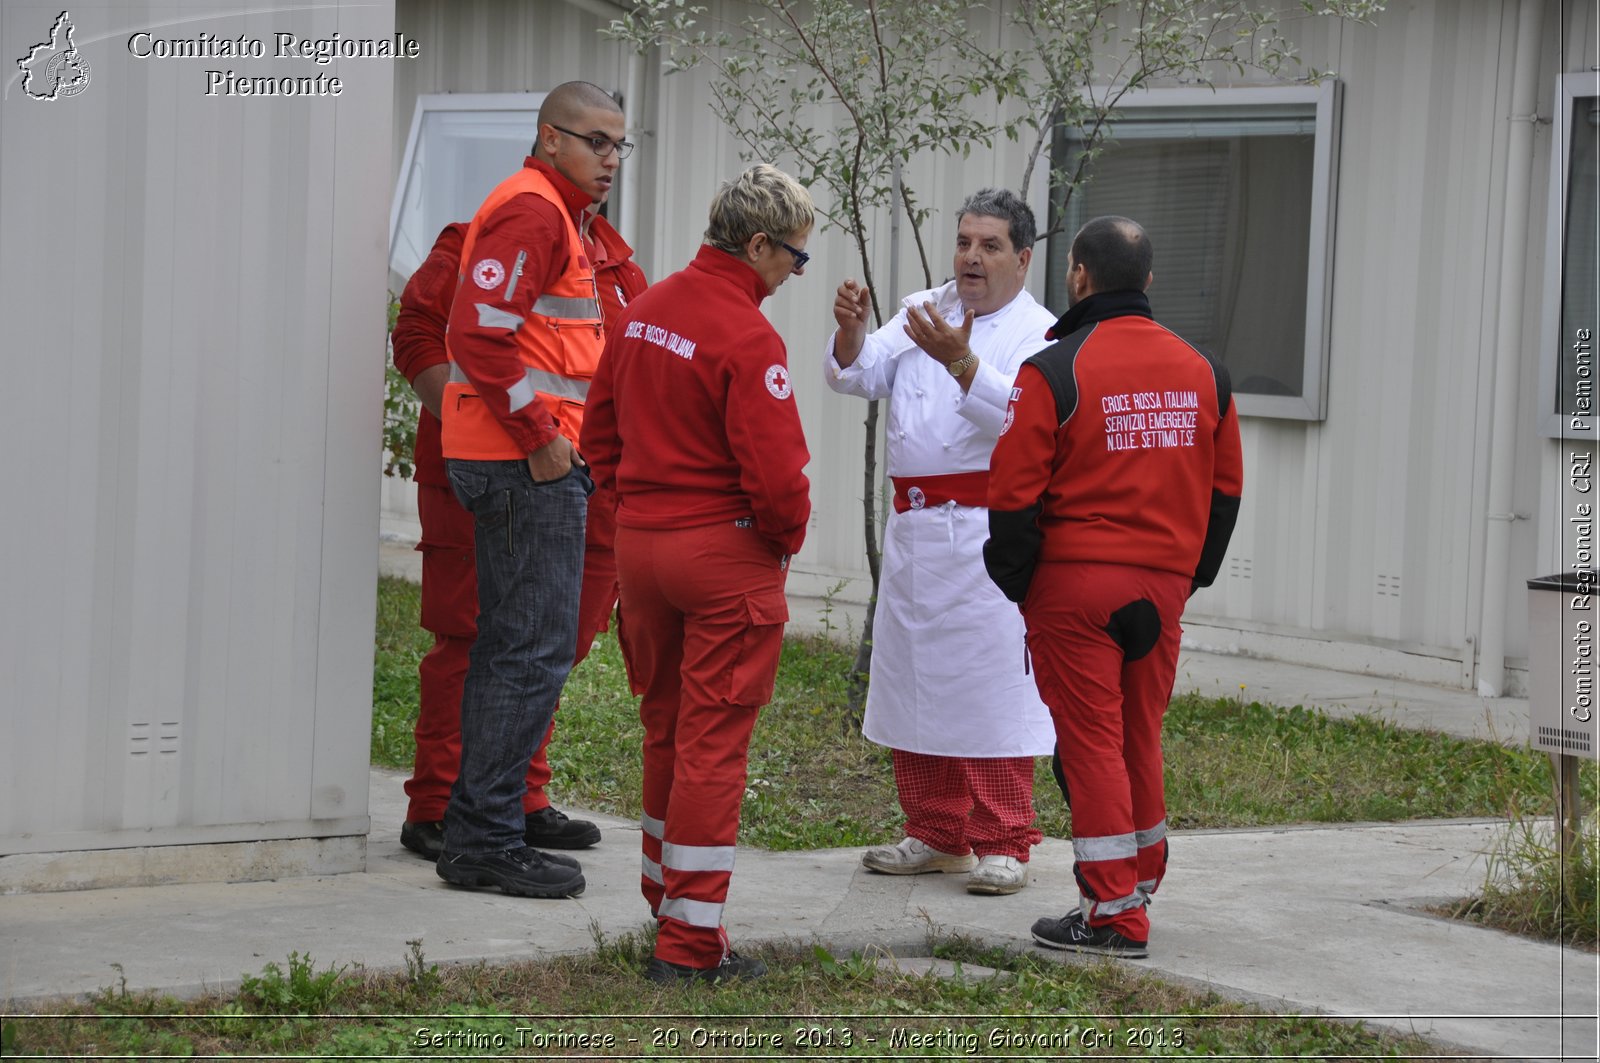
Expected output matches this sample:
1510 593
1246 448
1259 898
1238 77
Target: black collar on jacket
1101 306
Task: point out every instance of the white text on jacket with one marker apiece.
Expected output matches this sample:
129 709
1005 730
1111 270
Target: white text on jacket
640 330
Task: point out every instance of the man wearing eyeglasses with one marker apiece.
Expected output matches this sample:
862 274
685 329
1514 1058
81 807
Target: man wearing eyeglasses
950 694
525 331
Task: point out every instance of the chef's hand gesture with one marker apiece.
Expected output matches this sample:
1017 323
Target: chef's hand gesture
944 344
852 306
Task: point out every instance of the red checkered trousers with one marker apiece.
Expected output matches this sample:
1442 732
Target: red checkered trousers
956 804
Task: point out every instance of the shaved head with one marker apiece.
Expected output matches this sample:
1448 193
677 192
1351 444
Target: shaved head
570 103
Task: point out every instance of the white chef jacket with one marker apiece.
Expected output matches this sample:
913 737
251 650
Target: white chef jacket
949 674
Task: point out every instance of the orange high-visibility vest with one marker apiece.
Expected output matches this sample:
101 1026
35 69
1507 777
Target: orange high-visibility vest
559 342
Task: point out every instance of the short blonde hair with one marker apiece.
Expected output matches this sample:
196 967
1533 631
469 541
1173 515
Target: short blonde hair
763 199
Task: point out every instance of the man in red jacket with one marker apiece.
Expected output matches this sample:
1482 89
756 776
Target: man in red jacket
1113 492
449 574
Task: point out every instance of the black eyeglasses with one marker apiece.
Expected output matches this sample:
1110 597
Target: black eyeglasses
601 146
800 257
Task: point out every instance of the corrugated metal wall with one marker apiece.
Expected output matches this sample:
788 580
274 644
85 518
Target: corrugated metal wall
1361 538
191 293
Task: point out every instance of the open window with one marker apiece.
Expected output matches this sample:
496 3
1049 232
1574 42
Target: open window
460 148
1568 402
1236 188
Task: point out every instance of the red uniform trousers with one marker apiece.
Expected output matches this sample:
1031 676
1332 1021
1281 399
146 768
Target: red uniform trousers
954 804
705 611
450 612
1104 644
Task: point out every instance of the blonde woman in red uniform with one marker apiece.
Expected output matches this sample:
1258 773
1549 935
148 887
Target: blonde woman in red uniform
692 425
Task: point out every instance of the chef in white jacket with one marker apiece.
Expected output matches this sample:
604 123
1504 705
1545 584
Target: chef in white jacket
950 694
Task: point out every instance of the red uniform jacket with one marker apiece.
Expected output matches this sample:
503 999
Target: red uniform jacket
691 418
1121 445
425 311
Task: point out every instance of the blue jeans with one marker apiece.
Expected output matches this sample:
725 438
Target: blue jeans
528 539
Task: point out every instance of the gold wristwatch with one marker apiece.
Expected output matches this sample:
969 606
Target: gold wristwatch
961 365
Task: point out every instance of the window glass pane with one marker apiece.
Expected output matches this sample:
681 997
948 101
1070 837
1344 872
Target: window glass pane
1580 300
459 158
1228 206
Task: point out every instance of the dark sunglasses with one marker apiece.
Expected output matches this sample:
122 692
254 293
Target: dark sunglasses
800 257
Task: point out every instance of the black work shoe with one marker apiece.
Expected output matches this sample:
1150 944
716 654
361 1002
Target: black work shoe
549 828
520 872
424 839
1073 933
732 966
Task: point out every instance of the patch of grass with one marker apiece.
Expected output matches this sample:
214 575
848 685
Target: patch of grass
814 782
400 644
836 1006
1535 889
1230 764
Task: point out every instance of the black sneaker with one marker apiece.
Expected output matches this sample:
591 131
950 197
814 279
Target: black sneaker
427 841
732 966
520 872
424 839
1073 933
550 828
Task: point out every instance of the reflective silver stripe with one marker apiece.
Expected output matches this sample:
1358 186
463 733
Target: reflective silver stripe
1144 838
561 387
1101 909
494 317
533 380
651 870
1110 847
652 826
697 857
695 913
520 394
569 307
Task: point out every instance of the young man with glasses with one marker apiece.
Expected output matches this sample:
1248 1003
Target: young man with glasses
526 327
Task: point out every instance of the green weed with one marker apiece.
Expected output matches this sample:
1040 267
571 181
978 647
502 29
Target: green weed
1534 888
303 990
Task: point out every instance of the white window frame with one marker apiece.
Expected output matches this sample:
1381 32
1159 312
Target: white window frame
471 101
1325 98
1553 423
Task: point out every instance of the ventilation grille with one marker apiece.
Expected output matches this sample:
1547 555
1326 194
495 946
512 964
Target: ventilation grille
1388 586
1561 740
1241 568
145 738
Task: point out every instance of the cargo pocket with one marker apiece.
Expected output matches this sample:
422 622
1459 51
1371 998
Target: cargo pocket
756 670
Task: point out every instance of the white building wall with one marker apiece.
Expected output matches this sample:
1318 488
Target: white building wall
1361 539
191 290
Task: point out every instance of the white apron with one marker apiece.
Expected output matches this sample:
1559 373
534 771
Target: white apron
948 661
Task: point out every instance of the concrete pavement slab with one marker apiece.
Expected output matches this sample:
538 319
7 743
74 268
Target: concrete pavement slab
1322 919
